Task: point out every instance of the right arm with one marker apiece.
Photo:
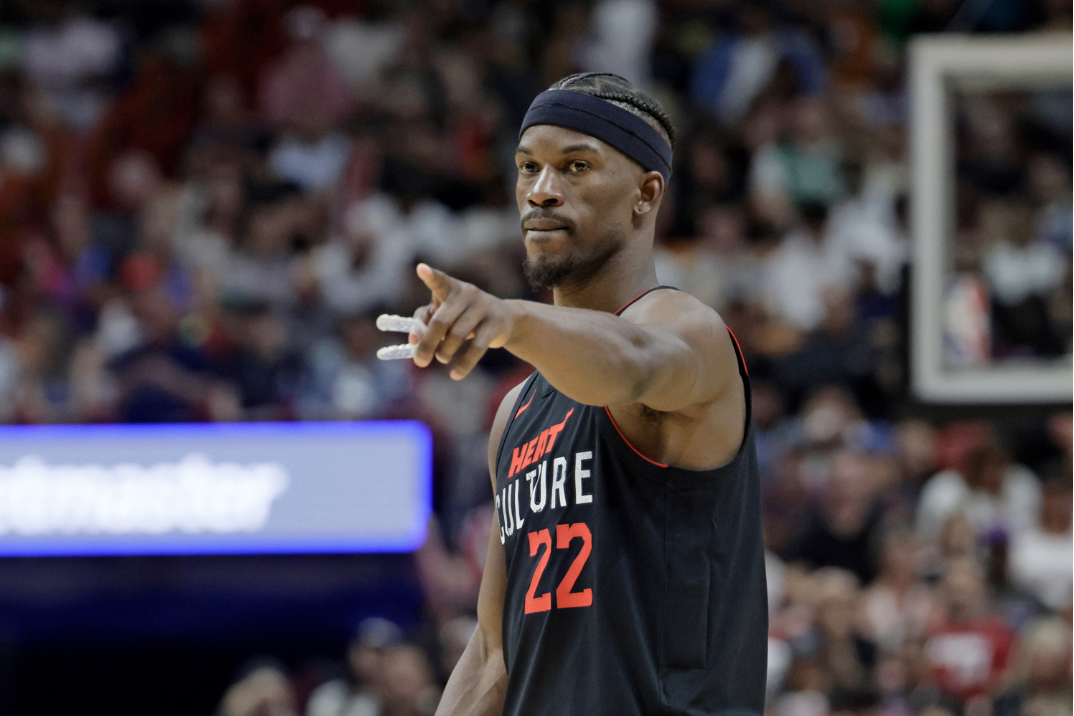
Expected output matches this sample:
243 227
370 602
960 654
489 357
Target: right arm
479 681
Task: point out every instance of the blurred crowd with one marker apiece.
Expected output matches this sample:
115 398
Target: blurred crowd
1008 297
204 204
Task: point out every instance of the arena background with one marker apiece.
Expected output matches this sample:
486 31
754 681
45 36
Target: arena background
205 203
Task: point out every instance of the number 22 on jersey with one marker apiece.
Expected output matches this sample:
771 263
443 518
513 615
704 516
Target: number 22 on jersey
565 596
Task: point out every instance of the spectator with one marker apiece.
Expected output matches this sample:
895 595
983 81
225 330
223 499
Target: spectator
715 267
72 62
304 95
264 369
163 379
1039 558
623 35
968 646
845 529
358 693
864 227
260 267
804 169
847 657
732 72
343 378
1051 188
406 685
1041 678
795 277
365 266
451 580
986 486
1021 274
898 605
263 690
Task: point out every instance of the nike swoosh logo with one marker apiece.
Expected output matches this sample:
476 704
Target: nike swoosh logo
523 408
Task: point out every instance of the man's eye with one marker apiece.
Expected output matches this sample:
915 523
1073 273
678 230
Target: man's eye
527 167
578 166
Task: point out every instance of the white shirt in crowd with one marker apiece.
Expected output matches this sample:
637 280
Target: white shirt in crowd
1015 508
795 277
1017 272
314 165
1040 564
335 698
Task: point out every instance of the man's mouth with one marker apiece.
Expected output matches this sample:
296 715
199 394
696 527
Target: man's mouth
544 225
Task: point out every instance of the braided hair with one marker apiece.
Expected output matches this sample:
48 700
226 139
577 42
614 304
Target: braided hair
622 93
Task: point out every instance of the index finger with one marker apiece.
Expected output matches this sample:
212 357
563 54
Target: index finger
438 282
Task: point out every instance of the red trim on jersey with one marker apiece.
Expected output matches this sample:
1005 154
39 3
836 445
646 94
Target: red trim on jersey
523 408
627 304
608 410
631 302
739 349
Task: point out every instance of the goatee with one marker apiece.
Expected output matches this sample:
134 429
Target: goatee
548 273
544 272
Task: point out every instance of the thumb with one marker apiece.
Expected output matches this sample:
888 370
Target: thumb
437 281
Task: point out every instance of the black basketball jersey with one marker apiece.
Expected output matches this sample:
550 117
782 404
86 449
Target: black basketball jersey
632 587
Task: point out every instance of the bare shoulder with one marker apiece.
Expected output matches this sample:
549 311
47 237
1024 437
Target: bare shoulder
499 424
684 316
674 309
697 389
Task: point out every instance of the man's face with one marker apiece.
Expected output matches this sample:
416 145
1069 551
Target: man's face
576 196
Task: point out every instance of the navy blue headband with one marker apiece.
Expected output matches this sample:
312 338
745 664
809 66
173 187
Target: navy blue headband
599 118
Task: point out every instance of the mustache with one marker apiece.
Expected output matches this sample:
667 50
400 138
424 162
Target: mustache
542 213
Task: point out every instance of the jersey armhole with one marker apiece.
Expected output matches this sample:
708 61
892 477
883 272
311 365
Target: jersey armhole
747 393
515 411
744 375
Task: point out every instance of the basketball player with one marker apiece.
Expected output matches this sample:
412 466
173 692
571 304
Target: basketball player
625 573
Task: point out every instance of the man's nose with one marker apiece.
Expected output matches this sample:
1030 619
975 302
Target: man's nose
546 191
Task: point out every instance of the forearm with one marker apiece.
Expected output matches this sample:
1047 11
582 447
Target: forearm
661 357
478 683
592 357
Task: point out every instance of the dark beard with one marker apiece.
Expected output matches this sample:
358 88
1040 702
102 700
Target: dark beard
550 273
545 273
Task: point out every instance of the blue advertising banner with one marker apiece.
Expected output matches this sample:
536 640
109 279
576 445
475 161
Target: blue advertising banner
242 488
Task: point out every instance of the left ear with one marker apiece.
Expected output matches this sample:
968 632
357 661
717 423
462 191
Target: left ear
650 192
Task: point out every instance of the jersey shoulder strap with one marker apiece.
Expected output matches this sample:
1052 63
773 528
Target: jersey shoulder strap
641 295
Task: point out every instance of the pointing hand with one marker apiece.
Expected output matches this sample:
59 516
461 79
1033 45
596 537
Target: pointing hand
459 324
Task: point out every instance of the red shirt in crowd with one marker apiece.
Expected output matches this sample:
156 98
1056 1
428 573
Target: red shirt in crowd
969 658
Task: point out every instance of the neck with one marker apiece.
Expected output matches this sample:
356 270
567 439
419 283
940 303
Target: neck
626 274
